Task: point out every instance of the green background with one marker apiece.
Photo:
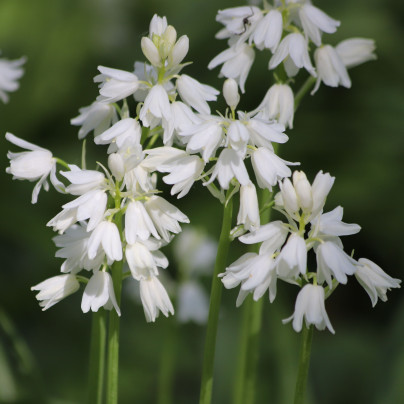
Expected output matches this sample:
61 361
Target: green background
357 135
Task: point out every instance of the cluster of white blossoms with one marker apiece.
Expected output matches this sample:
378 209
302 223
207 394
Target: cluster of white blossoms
283 253
289 29
10 72
119 217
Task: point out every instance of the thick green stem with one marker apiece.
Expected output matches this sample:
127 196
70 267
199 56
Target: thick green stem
113 338
244 392
167 364
97 357
113 330
214 306
300 390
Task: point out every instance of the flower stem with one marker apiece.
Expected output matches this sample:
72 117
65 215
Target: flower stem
307 85
307 336
244 392
97 357
215 297
113 330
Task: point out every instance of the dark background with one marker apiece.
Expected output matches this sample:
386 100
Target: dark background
356 135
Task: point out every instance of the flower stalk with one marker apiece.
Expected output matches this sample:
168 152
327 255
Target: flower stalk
214 305
304 362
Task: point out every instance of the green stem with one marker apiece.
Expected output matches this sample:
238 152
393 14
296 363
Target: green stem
167 364
244 392
97 357
307 336
215 297
304 89
113 331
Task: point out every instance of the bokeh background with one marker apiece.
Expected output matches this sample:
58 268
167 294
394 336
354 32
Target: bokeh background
357 135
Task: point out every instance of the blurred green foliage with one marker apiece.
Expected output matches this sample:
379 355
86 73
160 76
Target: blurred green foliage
356 135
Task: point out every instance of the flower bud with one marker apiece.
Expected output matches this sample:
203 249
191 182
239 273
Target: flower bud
230 93
179 51
289 197
303 190
116 165
150 51
167 41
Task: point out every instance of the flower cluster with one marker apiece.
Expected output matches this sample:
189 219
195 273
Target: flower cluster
283 253
287 29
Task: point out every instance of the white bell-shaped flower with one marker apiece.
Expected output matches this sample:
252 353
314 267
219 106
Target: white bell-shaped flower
330 68
32 165
83 181
154 299
315 21
229 165
10 72
196 94
97 117
374 280
115 84
310 307
156 106
122 131
53 290
165 216
355 51
248 214
333 261
106 235
99 292
278 104
292 261
293 46
237 62
268 31
192 303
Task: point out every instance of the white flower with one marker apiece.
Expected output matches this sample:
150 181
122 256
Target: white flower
53 290
374 280
237 20
268 167
248 214
73 246
138 223
156 106
154 298
83 181
228 166
355 51
331 224
196 94
193 303
91 205
97 117
238 136
293 46
143 259
230 93
32 165
150 50
204 137
268 31
99 292
332 260
157 26
165 216
310 305
115 84
273 235
122 131
183 172
314 21
237 62
255 272
106 235
330 68
10 72
178 51
278 104
292 260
